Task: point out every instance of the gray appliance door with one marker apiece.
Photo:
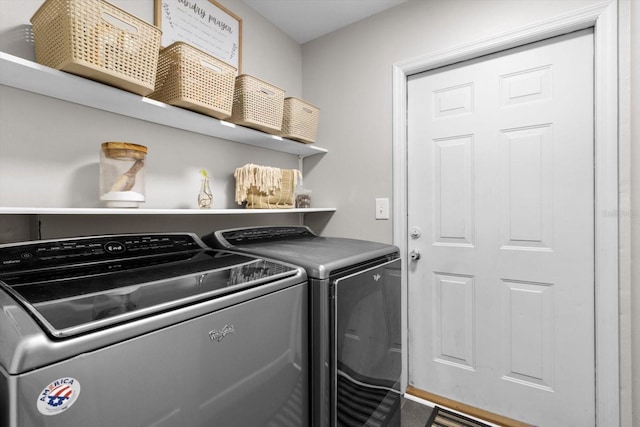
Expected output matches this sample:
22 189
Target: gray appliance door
367 347
245 365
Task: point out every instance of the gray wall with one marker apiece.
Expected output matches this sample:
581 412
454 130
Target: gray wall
630 206
348 74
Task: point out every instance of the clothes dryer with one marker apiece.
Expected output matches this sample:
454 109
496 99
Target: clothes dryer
355 288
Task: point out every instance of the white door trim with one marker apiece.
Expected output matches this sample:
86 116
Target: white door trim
603 18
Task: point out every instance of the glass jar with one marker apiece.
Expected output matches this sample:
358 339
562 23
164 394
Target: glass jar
122 174
303 199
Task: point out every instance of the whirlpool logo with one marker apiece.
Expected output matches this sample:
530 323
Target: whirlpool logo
219 334
58 396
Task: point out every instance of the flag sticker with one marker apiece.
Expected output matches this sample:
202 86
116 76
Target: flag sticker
58 396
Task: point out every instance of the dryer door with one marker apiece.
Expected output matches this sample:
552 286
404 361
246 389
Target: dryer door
367 347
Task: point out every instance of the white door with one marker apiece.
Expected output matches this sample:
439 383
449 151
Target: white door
501 194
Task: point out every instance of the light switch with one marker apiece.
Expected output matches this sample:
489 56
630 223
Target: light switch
382 208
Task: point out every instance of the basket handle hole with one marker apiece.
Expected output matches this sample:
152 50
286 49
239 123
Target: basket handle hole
119 23
307 110
267 91
211 67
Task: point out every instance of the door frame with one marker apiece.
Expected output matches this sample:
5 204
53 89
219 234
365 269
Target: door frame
602 18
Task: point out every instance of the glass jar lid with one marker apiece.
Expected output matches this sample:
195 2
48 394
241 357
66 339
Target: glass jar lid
124 150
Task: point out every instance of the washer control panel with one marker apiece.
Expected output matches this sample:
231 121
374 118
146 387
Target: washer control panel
48 253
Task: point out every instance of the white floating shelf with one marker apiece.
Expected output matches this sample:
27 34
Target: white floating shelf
30 76
121 211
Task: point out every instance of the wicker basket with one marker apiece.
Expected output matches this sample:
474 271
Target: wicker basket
192 79
266 187
299 121
257 104
97 40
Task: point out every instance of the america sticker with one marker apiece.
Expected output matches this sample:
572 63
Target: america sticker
58 396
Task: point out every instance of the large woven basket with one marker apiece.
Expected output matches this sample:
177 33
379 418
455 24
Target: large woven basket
257 104
300 120
189 78
97 40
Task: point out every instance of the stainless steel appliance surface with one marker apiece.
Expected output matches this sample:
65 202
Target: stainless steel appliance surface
150 330
355 319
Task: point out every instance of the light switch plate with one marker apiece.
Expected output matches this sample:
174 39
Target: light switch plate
382 208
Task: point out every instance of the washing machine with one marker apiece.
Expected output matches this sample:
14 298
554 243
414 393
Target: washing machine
150 330
355 288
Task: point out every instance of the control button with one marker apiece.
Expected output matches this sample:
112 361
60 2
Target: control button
114 247
26 255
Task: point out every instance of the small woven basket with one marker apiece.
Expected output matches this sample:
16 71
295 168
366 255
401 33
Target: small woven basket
257 104
97 40
192 79
299 121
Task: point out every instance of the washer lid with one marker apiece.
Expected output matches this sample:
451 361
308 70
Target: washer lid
118 285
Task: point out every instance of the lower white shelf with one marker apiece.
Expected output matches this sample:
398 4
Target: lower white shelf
134 211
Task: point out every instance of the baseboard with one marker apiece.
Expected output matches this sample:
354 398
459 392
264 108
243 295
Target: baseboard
471 411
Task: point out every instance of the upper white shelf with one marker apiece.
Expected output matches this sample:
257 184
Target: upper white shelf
30 76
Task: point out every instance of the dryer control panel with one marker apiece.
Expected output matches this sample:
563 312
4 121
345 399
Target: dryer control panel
240 236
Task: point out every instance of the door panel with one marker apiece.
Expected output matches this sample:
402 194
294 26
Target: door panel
453 183
526 185
500 177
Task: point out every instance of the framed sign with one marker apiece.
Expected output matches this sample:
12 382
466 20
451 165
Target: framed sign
204 24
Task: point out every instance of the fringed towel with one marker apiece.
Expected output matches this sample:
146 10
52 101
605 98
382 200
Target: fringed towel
265 187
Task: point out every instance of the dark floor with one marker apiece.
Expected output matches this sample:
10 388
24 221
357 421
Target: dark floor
414 414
